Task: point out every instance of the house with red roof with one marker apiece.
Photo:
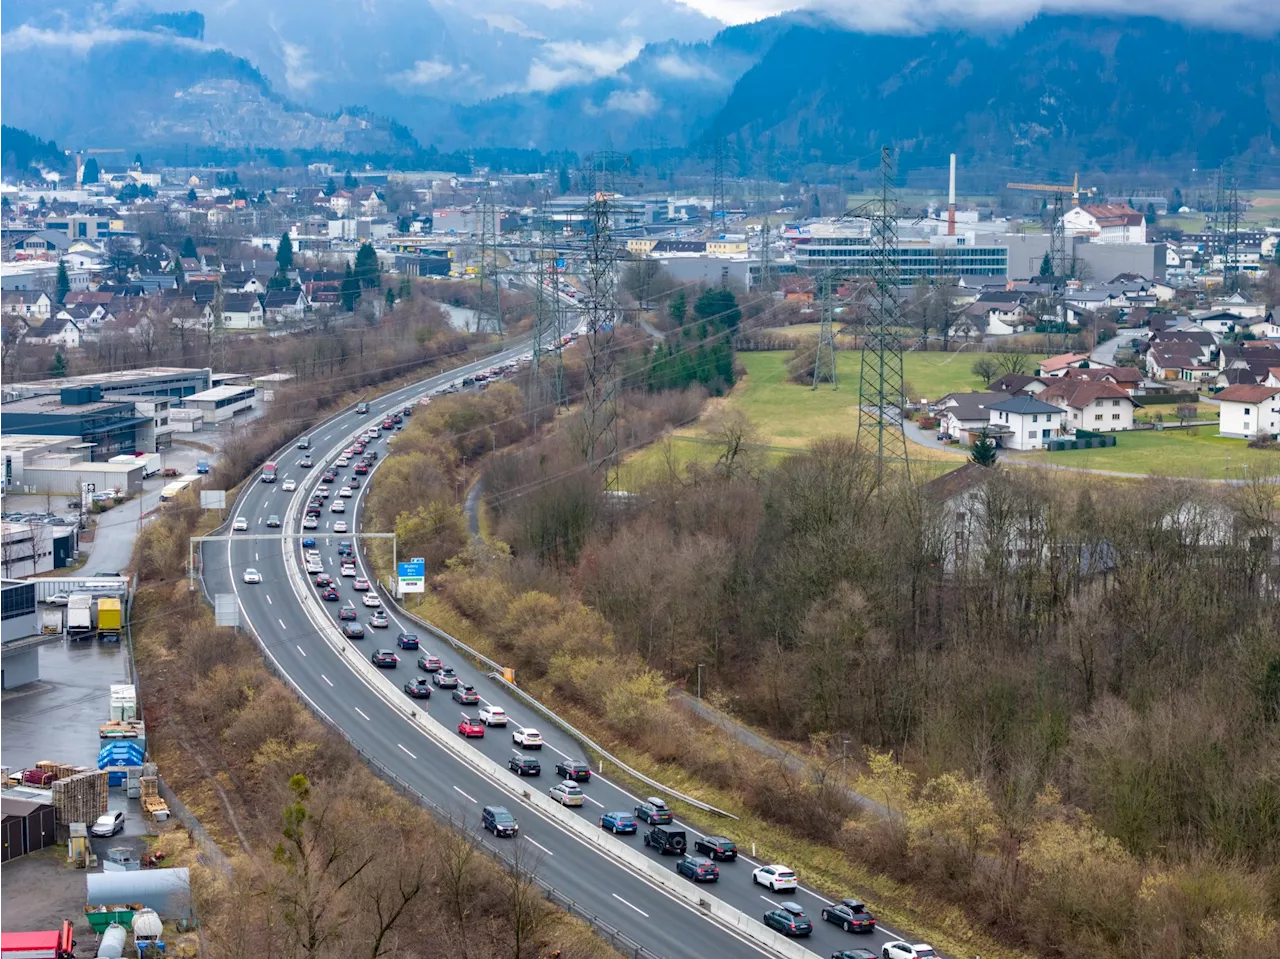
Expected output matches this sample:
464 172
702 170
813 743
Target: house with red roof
1248 411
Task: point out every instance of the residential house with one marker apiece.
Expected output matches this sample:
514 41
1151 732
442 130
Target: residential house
1127 378
242 311
1106 223
30 303
1025 422
1249 411
1265 329
187 314
239 281
960 415
1242 304
1098 299
1199 343
1091 404
994 313
1133 283
1058 365
1218 321
282 305
1248 352
55 331
45 244
88 317
1012 383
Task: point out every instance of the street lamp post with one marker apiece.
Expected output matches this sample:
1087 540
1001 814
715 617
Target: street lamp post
843 755
699 682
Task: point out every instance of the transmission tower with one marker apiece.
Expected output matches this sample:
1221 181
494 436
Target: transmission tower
718 205
1231 229
600 444
543 308
882 390
824 360
489 306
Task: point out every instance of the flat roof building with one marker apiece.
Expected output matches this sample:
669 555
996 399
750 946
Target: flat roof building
113 426
223 402
849 250
172 381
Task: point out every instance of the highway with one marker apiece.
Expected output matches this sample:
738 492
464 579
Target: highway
274 611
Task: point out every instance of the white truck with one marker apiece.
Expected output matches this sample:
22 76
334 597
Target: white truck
50 621
79 613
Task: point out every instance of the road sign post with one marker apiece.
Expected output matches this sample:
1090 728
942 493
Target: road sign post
411 577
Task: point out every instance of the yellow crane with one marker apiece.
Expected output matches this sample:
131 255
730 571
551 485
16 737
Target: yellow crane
1057 191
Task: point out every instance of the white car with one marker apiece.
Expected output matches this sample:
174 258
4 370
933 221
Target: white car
371 599
252 576
314 566
58 599
493 715
775 877
310 522
240 525
342 461
108 825
905 950
288 486
338 507
528 738
348 569
340 526
345 492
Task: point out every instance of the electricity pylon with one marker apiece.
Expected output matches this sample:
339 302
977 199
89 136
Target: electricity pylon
489 305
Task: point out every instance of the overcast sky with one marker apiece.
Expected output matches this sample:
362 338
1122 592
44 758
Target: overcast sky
896 15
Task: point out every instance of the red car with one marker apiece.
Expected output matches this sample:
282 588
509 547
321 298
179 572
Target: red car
362 467
330 595
347 612
388 424
324 579
470 727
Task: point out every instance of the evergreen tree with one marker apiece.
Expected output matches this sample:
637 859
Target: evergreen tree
678 306
284 252
62 285
1046 266
406 288
349 181
390 298
1177 203
1150 215
563 180
350 290
146 191
59 366
367 270
191 195
403 223
128 193
718 303
330 188
90 173
983 451
189 250
137 160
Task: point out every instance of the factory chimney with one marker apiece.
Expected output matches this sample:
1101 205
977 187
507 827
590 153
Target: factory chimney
951 200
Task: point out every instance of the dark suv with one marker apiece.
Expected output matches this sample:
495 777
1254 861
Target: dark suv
498 821
666 840
717 847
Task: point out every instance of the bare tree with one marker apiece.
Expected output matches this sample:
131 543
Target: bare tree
455 857
527 910
1013 363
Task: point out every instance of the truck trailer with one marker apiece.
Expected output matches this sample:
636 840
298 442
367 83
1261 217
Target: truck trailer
79 615
110 619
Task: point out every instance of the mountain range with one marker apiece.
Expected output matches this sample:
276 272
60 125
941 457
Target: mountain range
1054 94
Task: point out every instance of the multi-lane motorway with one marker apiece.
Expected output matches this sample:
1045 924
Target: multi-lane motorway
274 611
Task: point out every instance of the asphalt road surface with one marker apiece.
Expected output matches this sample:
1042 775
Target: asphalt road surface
272 609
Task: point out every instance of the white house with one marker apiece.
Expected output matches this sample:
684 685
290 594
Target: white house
1091 404
34 303
285 305
242 311
1025 422
1246 411
996 313
1265 329
1242 305
55 331
961 414
1106 223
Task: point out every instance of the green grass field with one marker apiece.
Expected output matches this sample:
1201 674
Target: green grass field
1197 453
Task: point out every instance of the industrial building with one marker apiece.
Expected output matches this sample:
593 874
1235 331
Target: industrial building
827 246
19 634
171 381
113 426
222 402
28 549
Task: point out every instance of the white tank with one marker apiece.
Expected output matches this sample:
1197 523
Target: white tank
112 945
147 925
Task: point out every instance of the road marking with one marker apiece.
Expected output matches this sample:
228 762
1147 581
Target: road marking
767 899
366 718
301 650
539 845
281 622
269 603
589 799
462 793
625 903
259 520
326 679
255 557
411 755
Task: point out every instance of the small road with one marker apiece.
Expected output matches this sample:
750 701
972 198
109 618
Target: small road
471 508
1105 353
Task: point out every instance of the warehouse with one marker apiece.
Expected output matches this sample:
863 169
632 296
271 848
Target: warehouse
172 381
50 476
223 402
114 426
27 549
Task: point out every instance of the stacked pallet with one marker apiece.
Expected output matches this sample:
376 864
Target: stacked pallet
79 798
60 770
151 801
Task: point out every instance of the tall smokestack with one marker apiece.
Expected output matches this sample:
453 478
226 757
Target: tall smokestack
951 200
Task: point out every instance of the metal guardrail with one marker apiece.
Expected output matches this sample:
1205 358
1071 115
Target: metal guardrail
554 717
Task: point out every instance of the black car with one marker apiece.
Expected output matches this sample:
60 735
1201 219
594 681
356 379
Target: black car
668 840
466 695
353 631
698 868
579 772
854 954
498 821
524 766
717 847
407 640
384 659
345 548
445 678
328 477
788 919
850 915
418 688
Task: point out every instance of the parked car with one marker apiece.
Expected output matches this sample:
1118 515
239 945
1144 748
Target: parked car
499 821
775 877
469 727
698 868
384 659
58 599
850 915
108 824
493 715
525 766
788 919
527 738
654 811
466 695
717 847
619 822
418 688
567 794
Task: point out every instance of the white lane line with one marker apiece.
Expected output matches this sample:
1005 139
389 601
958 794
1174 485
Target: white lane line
589 799
539 845
259 520
269 603
625 903
326 679
281 622
301 650
815 895
411 755
255 557
456 789
366 718
767 899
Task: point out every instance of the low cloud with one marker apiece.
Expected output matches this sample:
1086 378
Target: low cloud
510 24
566 62
298 72
678 68
640 102
424 73
27 37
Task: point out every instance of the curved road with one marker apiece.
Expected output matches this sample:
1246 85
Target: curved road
273 610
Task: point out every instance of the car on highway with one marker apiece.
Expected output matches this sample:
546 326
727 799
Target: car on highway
854 954
493 715
345 492
338 507
776 877
328 476
273 521
362 408
788 919
340 526
499 821
345 548
384 659
466 695
388 424
323 579
621 823
897 949
717 847
406 640
445 678
418 688
288 486
573 769
342 460
348 614
527 738
698 868
353 631
370 599
654 811
309 543
354 482
378 619
524 766
567 794
240 525
850 915
361 468
347 569
108 824
252 576
310 522
305 463
469 728
323 493
330 595
361 584
429 663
